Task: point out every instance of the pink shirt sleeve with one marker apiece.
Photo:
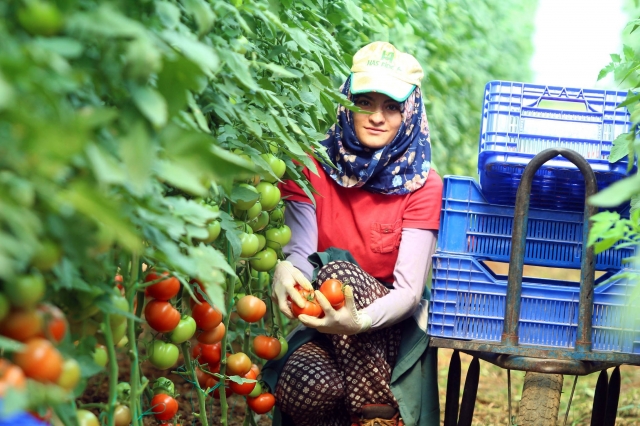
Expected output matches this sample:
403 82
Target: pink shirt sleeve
410 274
301 218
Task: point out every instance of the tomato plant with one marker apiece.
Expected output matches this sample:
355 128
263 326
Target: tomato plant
163 406
262 403
162 290
161 316
333 290
250 308
266 347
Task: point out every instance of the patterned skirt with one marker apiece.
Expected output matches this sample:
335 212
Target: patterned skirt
328 380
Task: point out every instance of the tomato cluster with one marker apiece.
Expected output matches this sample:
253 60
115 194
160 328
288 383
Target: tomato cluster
332 289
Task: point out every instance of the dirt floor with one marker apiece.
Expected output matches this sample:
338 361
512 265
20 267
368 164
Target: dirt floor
492 406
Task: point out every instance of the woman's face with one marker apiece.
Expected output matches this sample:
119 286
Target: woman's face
377 129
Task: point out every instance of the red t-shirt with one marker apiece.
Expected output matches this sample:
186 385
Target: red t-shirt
367 224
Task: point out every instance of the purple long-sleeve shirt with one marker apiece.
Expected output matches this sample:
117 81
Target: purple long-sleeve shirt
410 271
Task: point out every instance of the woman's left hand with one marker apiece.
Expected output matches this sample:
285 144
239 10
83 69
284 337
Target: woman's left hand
346 320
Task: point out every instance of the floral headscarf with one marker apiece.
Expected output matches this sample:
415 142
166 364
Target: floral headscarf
398 168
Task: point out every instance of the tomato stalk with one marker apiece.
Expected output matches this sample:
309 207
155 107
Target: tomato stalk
113 367
194 378
131 291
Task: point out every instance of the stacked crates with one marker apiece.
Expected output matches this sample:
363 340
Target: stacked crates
467 298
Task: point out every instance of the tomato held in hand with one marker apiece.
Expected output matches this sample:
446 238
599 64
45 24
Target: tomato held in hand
311 308
244 388
262 403
333 290
266 347
206 316
40 360
162 290
164 407
250 308
161 316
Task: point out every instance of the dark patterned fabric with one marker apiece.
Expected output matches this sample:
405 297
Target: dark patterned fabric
328 380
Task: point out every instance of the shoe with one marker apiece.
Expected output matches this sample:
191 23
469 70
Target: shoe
378 415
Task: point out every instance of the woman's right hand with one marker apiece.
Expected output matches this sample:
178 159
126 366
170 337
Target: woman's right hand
285 277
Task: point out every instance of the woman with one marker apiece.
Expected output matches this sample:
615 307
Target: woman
381 204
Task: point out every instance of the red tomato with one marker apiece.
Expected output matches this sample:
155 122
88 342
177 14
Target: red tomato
204 379
164 407
212 336
245 388
266 347
216 393
162 290
250 308
40 360
238 364
55 322
311 308
255 369
22 324
261 404
207 354
206 316
161 316
332 289
11 377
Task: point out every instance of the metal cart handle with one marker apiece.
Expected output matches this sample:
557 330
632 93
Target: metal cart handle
518 240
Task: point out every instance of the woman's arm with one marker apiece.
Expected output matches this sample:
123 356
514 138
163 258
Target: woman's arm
301 218
410 275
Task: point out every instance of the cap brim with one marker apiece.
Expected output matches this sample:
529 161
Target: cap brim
364 82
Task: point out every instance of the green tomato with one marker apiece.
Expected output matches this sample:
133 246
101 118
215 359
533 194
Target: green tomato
276 215
278 167
264 260
163 355
277 238
26 291
247 204
214 231
284 347
249 214
87 418
260 222
41 18
46 256
70 375
244 227
262 241
100 356
256 391
184 331
249 243
269 195
5 306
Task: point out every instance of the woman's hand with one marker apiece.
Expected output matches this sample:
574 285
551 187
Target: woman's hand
285 277
346 320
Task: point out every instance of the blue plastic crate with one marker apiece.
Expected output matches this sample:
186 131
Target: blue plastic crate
470 225
519 120
468 301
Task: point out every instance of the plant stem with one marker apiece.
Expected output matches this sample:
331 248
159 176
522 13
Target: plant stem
223 345
192 372
131 292
113 368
